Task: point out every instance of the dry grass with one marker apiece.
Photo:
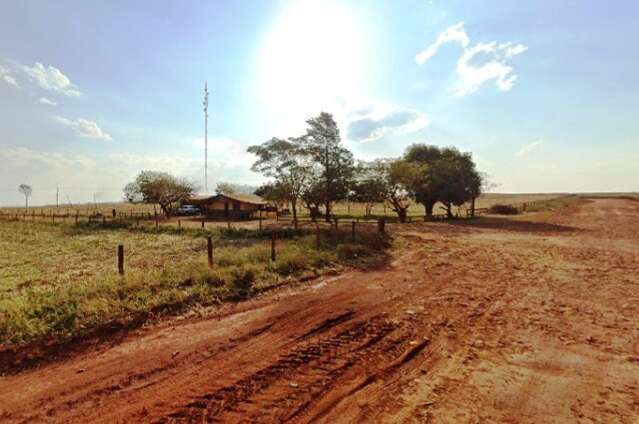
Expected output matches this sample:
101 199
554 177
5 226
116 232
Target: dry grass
61 279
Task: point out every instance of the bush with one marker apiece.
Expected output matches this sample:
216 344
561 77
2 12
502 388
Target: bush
503 210
241 282
291 262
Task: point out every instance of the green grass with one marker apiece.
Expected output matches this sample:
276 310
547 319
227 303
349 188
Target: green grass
62 280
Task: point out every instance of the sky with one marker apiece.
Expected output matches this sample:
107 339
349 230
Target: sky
543 93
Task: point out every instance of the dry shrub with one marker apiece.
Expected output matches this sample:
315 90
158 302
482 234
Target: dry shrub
503 210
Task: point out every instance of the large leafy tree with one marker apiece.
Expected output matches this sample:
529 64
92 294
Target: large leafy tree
426 189
401 178
283 161
369 184
322 144
159 187
458 180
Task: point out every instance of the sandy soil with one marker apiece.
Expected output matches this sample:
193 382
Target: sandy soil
526 321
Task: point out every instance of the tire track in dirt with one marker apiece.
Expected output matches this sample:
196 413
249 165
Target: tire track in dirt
466 325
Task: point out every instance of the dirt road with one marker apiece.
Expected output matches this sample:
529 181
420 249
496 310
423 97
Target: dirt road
527 321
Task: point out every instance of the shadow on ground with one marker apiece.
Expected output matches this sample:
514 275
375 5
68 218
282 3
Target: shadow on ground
497 223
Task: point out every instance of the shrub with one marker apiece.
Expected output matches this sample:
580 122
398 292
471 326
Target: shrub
291 262
503 210
241 281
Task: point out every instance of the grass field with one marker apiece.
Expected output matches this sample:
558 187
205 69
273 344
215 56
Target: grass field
61 279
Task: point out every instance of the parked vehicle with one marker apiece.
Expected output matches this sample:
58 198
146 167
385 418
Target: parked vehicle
187 210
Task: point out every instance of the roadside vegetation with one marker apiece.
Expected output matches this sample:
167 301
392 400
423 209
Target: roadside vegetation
62 279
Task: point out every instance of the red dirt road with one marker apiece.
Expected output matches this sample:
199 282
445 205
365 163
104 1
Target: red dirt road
527 321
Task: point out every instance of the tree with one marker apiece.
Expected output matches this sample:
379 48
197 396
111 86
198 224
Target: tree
426 189
224 188
26 191
458 180
322 144
159 187
283 161
273 193
369 184
401 177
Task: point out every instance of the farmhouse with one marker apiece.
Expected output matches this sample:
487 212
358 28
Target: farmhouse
234 206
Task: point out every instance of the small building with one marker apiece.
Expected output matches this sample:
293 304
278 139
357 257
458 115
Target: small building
230 206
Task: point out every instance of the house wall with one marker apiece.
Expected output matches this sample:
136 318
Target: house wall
219 205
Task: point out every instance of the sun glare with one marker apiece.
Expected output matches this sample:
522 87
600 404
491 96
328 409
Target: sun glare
311 60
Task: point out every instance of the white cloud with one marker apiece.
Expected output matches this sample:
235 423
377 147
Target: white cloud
51 78
6 76
47 102
526 149
471 76
85 128
378 121
455 33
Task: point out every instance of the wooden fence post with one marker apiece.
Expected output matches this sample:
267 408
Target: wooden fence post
260 220
317 235
157 224
103 219
209 250
336 222
121 259
273 247
353 230
179 223
202 223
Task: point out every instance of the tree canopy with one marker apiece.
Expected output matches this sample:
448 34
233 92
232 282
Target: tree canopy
26 191
159 187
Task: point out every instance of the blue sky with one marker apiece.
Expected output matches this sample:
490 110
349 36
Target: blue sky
543 93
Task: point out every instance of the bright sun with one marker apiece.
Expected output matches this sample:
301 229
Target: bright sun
311 60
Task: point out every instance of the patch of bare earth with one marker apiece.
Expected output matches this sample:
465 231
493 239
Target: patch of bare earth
526 322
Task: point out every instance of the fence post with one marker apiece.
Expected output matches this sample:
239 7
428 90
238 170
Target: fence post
260 220
336 222
157 224
317 235
295 223
209 250
380 225
353 230
103 219
273 247
52 218
202 223
179 223
121 259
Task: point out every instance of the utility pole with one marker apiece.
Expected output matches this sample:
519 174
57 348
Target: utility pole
57 196
206 138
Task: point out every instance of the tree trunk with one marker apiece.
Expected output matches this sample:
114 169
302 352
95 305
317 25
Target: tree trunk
294 207
428 206
165 209
328 211
401 213
472 207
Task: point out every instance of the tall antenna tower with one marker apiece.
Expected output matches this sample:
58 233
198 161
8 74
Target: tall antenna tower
206 138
